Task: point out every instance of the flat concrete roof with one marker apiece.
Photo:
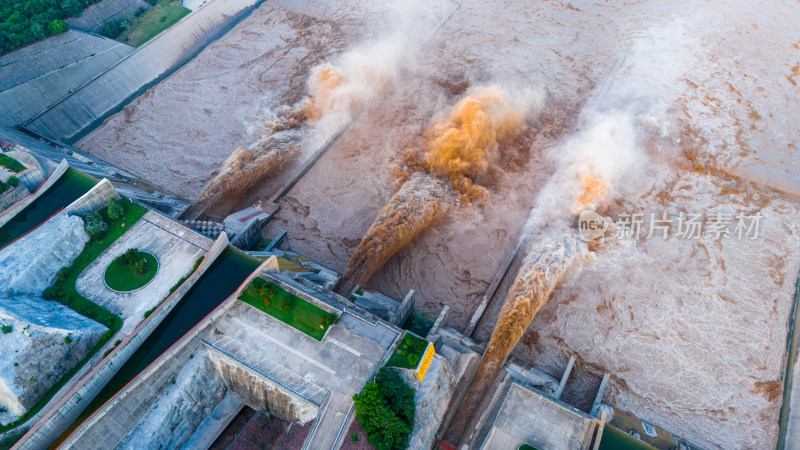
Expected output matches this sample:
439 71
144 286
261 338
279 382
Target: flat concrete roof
528 417
338 367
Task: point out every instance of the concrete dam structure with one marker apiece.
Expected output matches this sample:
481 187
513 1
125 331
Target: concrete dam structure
79 111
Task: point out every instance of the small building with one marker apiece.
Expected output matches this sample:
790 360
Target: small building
528 417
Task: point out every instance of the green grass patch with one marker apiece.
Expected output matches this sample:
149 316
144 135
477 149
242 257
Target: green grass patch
11 163
288 308
63 291
154 21
408 354
122 275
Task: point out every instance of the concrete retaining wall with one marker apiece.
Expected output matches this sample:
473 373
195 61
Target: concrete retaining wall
74 116
96 199
11 212
59 417
34 175
310 299
260 392
402 313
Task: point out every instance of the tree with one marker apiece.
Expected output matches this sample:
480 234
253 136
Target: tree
386 411
140 267
13 181
94 225
57 26
115 209
130 257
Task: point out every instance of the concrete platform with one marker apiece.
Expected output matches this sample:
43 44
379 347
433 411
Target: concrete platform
339 366
176 249
527 417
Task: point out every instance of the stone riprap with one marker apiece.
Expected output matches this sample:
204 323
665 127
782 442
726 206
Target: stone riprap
431 397
45 341
31 263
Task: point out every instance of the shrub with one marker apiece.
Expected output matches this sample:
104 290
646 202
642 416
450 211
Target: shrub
57 26
67 339
140 11
130 257
386 411
52 293
114 28
152 2
7 329
95 225
140 267
62 274
162 19
115 209
285 304
354 437
13 181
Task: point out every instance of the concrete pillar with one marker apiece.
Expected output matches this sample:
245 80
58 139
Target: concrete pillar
438 324
564 377
476 316
599 397
405 310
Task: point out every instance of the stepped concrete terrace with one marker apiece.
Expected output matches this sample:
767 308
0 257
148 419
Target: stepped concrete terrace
257 356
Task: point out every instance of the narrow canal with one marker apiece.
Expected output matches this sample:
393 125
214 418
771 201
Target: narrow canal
66 190
217 284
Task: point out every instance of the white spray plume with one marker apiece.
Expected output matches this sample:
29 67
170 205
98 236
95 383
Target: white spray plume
356 78
604 149
339 89
605 154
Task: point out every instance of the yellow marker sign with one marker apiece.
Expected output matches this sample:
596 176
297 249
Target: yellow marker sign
426 361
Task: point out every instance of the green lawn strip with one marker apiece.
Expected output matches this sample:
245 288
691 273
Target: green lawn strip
288 308
408 354
122 277
154 21
11 163
63 291
175 286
